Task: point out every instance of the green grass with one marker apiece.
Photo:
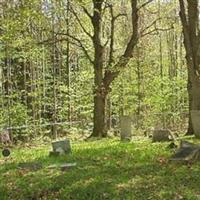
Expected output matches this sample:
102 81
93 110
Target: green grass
106 169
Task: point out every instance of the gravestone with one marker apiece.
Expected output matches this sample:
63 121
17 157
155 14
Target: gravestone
149 132
126 129
5 137
195 116
60 147
162 135
30 165
185 144
187 153
63 166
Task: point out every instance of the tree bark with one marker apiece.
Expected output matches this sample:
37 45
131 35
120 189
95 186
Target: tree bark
190 23
104 80
99 96
194 100
99 116
190 130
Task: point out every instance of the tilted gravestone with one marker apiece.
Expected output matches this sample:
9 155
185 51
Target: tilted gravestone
195 116
162 135
30 165
187 153
60 147
63 166
126 129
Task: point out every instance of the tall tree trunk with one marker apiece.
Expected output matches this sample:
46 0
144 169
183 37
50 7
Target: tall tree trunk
190 24
103 72
99 129
55 65
100 95
194 99
99 116
194 91
104 80
190 130
68 65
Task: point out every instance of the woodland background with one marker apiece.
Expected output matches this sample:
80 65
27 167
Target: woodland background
46 75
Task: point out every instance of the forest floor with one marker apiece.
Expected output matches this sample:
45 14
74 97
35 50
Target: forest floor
106 169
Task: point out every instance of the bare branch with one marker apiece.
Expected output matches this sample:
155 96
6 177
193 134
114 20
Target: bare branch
87 12
112 36
144 4
120 15
106 5
83 48
106 43
113 19
150 25
80 23
156 30
80 45
110 75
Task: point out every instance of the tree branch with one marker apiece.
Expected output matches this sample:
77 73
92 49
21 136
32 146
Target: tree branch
156 30
146 3
150 25
184 22
80 45
110 74
80 23
86 12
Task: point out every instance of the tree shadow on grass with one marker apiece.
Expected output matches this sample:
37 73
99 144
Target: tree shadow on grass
120 171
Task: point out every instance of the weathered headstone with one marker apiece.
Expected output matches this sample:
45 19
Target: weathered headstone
5 137
60 148
126 129
63 166
185 144
195 116
149 132
187 153
162 135
30 165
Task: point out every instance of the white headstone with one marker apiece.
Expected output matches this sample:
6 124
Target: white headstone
126 129
62 146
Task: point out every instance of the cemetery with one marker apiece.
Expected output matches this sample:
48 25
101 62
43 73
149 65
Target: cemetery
124 165
99 100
